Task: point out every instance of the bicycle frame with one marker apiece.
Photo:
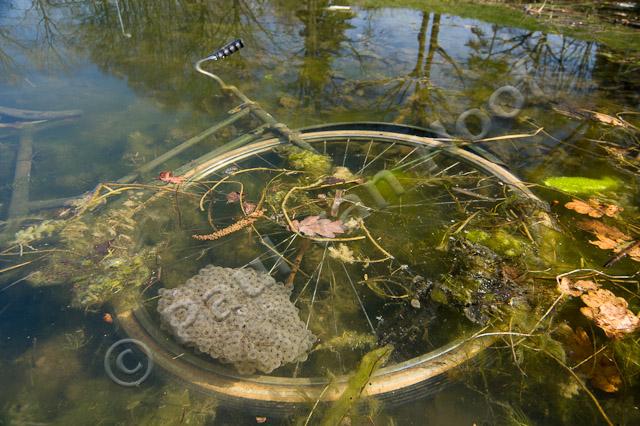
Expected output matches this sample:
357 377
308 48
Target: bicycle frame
269 122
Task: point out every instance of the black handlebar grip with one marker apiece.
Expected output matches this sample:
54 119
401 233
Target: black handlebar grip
227 50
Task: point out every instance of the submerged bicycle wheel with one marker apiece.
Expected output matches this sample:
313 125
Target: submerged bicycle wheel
372 236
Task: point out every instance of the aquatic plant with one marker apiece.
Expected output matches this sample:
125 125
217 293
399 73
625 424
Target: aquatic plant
582 185
314 164
76 339
349 340
480 282
350 397
500 241
98 255
36 232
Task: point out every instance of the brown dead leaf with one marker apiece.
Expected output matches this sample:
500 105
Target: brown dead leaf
593 208
599 228
233 197
604 118
511 273
249 207
575 289
331 180
605 374
610 313
313 226
168 177
597 366
610 238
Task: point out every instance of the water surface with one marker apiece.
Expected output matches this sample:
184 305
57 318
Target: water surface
131 74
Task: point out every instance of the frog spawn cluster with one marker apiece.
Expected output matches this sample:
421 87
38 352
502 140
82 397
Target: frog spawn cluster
238 316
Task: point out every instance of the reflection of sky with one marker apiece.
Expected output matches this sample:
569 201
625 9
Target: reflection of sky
48 70
126 85
385 41
395 40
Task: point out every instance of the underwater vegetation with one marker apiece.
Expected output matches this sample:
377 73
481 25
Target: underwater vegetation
314 164
98 256
371 362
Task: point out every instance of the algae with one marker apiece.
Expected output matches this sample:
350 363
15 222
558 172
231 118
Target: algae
99 254
37 232
480 282
177 405
500 241
582 185
349 340
314 164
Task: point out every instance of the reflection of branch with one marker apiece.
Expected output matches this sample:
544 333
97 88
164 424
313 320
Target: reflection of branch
453 63
48 34
8 64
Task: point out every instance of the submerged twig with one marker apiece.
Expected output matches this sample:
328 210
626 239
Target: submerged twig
316 403
583 386
304 246
7 287
375 243
20 265
615 259
369 364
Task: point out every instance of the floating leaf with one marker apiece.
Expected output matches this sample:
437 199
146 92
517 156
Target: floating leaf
610 238
601 370
313 226
168 177
581 185
233 197
610 313
575 289
604 118
593 208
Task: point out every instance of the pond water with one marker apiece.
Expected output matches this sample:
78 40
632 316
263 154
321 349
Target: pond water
534 174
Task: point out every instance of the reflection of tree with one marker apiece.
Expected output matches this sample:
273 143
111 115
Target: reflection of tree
409 96
425 96
323 34
45 41
48 34
8 66
562 63
167 37
617 75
